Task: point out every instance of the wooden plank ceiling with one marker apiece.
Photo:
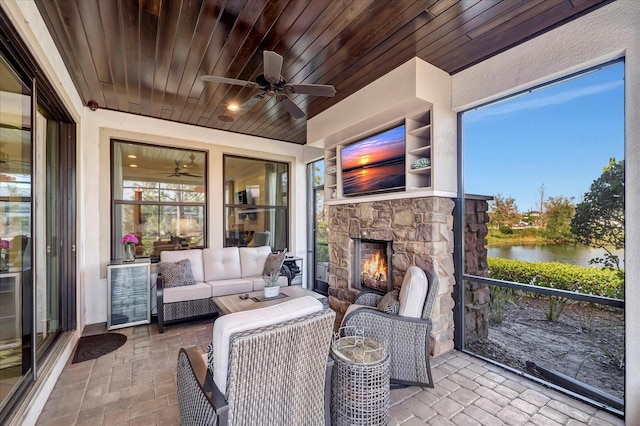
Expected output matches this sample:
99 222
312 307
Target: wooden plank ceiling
145 56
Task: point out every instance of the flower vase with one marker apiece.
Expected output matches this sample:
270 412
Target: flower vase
129 256
271 291
3 261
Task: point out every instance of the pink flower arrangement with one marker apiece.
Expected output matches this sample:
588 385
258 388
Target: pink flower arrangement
4 244
129 238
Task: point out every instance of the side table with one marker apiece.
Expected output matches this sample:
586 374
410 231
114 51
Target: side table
360 393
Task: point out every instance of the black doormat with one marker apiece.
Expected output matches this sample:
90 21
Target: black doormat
92 347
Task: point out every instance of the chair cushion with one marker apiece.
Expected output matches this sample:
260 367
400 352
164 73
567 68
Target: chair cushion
177 274
226 325
189 292
390 303
194 256
353 307
252 260
273 263
221 263
413 293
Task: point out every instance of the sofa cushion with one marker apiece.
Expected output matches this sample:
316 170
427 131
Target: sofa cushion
413 293
221 263
194 256
273 263
246 320
190 292
390 303
177 274
230 286
252 260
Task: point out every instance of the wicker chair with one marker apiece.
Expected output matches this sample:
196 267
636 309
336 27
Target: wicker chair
276 375
406 338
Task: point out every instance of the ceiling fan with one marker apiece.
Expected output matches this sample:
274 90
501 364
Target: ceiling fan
179 172
273 84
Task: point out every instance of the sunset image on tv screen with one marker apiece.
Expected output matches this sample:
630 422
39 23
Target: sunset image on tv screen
374 164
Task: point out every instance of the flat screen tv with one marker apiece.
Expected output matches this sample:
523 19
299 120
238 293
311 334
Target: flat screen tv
375 163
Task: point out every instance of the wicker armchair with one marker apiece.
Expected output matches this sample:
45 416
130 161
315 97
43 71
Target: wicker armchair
406 338
276 375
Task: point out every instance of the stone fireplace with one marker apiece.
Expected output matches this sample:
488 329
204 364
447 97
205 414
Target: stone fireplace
421 233
372 265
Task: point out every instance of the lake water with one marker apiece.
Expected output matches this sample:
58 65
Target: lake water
574 255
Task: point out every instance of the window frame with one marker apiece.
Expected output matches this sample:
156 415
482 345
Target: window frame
276 208
464 279
115 245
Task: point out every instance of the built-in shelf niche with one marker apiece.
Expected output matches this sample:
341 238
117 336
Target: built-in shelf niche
418 145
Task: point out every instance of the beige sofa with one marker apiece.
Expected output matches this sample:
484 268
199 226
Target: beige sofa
217 272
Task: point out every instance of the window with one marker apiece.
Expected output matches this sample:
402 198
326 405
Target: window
256 202
548 165
158 194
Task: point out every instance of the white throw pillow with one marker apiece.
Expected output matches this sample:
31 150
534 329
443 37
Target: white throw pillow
413 293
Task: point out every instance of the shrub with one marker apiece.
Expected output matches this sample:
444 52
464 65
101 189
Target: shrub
579 279
506 230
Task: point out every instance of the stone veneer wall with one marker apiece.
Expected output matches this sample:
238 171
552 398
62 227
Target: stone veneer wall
422 233
477 296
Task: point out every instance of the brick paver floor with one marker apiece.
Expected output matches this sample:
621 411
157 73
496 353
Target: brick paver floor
136 385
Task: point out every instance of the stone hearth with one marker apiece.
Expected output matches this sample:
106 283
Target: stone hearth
422 233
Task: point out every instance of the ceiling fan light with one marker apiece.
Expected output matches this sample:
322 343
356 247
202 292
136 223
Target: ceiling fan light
233 107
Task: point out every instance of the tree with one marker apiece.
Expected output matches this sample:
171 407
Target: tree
540 220
599 218
558 214
504 211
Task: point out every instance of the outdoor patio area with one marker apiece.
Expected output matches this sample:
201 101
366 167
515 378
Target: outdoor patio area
136 385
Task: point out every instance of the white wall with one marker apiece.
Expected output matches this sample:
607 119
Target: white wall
608 33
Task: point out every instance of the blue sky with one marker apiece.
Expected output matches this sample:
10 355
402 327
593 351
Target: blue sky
560 136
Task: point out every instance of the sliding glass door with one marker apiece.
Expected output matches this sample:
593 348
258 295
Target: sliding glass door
37 245
15 230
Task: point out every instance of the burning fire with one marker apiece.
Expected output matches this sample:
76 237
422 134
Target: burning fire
374 272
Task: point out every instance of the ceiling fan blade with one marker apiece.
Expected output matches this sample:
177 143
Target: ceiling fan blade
290 106
272 66
250 103
311 89
226 80
189 175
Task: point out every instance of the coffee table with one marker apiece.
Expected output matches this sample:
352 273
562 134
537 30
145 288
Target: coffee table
233 303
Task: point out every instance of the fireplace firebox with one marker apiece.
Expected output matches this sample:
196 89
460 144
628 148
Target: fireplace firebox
372 265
